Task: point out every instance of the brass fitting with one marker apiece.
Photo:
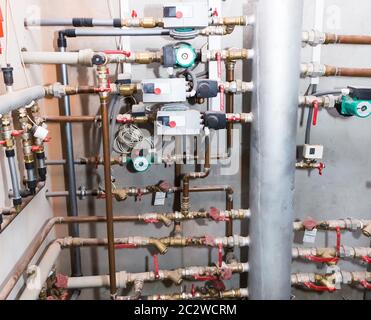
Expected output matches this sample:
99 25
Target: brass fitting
160 246
120 194
167 222
175 276
127 89
366 230
148 57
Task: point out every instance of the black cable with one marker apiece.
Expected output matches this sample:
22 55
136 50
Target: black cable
311 90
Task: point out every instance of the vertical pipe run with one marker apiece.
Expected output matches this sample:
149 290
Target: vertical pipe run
70 167
103 83
273 143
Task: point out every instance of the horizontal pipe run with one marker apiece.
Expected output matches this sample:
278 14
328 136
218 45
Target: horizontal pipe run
124 278
145 22
218 295
348 224
330 281
14 100
345 252
73 33
20 267
313 70
73 119
315 38
161 244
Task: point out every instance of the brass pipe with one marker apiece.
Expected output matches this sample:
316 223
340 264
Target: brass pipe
230 76
195 175
102 73
19 268
62 119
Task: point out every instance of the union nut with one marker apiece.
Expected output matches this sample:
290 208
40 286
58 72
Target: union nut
366 230
312 70
313 38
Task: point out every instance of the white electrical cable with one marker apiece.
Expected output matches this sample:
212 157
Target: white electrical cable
18 43
128 137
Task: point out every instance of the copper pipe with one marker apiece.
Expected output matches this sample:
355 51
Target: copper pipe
347 39
195 175
62 119
20 267
22 264
102 73
12 213
332 71
230 76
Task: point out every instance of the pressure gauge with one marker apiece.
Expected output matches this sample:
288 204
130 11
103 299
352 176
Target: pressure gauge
185 56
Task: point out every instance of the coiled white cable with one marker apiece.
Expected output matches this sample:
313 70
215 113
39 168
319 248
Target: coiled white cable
128 137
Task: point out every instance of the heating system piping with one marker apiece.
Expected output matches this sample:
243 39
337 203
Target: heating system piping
266 156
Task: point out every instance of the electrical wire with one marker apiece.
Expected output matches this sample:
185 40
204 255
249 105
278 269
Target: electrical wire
18 43
128 137
311 90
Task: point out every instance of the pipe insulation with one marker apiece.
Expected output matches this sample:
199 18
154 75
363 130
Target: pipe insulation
82 57
124 278
273 146
39 274
17 99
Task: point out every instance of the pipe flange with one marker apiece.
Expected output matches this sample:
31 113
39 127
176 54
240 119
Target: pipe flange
82 192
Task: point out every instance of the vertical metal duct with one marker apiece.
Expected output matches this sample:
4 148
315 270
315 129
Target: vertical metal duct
273 146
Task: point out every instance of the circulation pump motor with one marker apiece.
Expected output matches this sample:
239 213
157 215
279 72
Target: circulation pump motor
357 103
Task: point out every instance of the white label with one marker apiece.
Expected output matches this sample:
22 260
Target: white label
310 236
41 133
160 198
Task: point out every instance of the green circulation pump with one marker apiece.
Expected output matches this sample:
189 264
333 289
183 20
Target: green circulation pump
358 103
185 56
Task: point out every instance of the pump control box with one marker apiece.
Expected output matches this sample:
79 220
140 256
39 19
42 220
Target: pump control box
357 103
313 152
164 90
177 123
193 14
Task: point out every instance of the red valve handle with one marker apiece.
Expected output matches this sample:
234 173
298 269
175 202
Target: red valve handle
125 53
320 168
2 142
322 260
16 133
365 284
215 13
204 278
366 259
315 112
155 263
314 287
35 148
151 221
134 14
125 246
221 88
